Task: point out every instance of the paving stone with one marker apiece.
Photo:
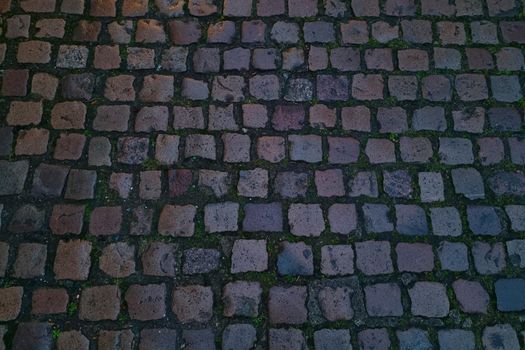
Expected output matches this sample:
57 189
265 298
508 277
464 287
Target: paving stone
193 303
345 59
392 120
329 183
242 298
380 151
179 181
318 32
121 338
87 31
337 260
429 118
471 87
298 90
27 218
236 148
455 151
286 305
13 178
414 338
14 82
263 217
317 58
429 299
198 145
383 299
291 184
99 303
78 86
32 142
307 148
239 336
105 220
72 338
452 338
198 339
146 302
453 256
374 338
414 257
332 88
306 220
286 118
34 51
45 85
484 220
377 218
285 32
342 218
446 221
321 116
158 259
221 217
488 259
516 214
501 336
504 119
295 259
118 260
373 257
397 184
265 59
18 26
10 302
254 115
335 303
24 113
343 150
413 60
249 255
411 220
121 183
33 335
170 8
48 180
509 294
141 219
286 338
72 260
72 56
253 183
471 296
237 8
403 88
507 183
30 260
198 260
479 58
471 121
509 58
217 181
158 338
431 187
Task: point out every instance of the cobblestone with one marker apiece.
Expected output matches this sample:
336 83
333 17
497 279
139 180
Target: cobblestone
309 164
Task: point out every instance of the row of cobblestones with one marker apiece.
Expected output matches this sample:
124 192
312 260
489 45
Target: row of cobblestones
262 174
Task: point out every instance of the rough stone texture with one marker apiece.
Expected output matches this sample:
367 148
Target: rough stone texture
260 165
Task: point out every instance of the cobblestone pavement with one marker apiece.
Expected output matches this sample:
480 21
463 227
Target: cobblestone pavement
268 174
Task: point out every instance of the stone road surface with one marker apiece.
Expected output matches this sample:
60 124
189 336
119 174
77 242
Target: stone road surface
268 174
